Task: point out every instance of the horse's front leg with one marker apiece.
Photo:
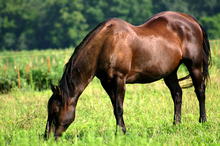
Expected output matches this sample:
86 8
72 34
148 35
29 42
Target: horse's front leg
116 91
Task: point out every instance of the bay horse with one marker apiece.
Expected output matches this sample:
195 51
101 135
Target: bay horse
117 53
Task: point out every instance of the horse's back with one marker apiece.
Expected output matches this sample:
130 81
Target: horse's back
151 51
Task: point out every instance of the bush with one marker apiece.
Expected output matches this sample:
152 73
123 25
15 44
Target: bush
33 71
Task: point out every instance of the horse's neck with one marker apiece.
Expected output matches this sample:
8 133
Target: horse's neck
86 65
83 63
83 68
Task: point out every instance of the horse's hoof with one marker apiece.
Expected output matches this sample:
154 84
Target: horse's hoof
202 119
176 122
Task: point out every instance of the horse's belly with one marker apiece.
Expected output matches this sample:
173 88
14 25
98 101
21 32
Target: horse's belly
142 77
151 73
149 66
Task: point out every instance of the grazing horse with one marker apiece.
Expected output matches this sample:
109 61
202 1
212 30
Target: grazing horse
117 53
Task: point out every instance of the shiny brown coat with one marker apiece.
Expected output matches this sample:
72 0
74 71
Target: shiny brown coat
117 53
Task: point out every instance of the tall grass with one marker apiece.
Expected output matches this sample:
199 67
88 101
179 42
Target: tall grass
148 115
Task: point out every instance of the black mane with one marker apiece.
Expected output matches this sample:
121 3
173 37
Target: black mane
66 79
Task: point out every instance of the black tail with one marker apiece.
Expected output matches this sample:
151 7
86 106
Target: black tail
207 59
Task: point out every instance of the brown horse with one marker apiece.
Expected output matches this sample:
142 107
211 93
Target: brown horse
117 53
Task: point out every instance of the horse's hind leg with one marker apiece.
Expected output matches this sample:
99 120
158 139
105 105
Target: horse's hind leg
176 92
198 82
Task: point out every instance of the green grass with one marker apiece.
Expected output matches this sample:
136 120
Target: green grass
148 115
148 111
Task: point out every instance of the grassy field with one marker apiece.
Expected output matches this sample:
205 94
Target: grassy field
148 109
148 115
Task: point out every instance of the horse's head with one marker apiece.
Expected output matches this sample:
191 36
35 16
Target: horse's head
61 113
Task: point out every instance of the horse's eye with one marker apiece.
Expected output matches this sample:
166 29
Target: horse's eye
54 109
57 107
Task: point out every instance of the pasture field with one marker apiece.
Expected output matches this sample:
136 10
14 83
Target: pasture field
148 115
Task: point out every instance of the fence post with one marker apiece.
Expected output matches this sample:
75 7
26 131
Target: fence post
48 63
5 69
215 50
36 59
42 60
28 69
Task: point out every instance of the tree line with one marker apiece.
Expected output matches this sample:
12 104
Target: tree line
42 24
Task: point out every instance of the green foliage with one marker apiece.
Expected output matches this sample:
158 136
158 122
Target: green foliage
212 25
31 24
64 23
16 23
33 69
135 12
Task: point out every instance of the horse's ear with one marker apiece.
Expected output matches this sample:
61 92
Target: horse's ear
58 90
53 88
